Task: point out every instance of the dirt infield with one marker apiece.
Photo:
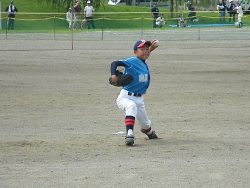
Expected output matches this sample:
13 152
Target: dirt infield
58 116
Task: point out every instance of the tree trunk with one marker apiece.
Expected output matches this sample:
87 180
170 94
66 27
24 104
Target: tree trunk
171 8
128 2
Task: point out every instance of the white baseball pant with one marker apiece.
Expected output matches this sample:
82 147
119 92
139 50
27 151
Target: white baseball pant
134 106
239 19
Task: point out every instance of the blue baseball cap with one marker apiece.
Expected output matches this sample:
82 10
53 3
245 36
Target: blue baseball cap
141 43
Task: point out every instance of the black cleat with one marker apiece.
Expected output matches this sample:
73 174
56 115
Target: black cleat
129 140
151 136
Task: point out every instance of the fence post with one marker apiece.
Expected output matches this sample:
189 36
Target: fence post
142 19
0 17
199 30
102 26
182 30
6 26
72 33
54 27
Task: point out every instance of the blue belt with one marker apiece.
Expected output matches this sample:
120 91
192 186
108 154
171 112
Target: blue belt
135 94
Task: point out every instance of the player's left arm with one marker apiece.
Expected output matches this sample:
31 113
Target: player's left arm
113 68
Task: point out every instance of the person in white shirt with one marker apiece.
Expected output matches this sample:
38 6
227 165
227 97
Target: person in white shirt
89 15
181 21
69 17
160 21
240 14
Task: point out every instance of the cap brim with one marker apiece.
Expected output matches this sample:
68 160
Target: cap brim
142 44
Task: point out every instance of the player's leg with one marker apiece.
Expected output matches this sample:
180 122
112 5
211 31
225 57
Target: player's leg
92 23
154 23
224 16
12 24
130 109
88 22
144 121
9 23
239 21
220 16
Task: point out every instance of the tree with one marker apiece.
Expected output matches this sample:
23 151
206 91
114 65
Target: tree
172 8
70 3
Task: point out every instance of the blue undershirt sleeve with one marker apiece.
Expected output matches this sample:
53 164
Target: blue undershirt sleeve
114 65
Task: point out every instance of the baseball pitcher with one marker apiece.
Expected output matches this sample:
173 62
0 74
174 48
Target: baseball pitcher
134 81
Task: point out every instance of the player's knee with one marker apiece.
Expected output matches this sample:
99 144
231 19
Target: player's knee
132 110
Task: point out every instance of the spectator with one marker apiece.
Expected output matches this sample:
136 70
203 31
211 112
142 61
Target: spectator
69 16
231 11
189 4
160 21
222 9
77 15
11 10
192 15
181 21
247 11
240 14
89 15
155 14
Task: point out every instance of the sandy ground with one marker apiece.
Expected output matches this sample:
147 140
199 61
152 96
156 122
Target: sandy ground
58 116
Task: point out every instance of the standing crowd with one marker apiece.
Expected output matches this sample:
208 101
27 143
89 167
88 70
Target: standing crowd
74 17
158 19
232 10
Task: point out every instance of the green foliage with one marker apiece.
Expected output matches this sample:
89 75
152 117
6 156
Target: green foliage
70 3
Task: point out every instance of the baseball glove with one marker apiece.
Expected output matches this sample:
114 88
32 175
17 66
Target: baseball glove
122 79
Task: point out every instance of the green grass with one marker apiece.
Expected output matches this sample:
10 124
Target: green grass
32 6
107 17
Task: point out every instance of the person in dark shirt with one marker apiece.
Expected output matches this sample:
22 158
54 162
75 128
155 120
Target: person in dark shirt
222 9
155 14
192 14
11 10
77 15
231 11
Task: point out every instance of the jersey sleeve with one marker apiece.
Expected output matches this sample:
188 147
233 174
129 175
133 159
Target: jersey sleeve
114 65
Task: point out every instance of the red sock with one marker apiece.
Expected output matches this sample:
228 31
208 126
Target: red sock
147 131
129 122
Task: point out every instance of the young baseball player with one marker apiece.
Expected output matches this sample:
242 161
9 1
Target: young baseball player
131 98
240 14
160 22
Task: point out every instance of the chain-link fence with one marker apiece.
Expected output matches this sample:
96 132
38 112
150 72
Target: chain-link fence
123 26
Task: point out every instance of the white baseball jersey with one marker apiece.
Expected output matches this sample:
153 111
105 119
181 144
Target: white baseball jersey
89 11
